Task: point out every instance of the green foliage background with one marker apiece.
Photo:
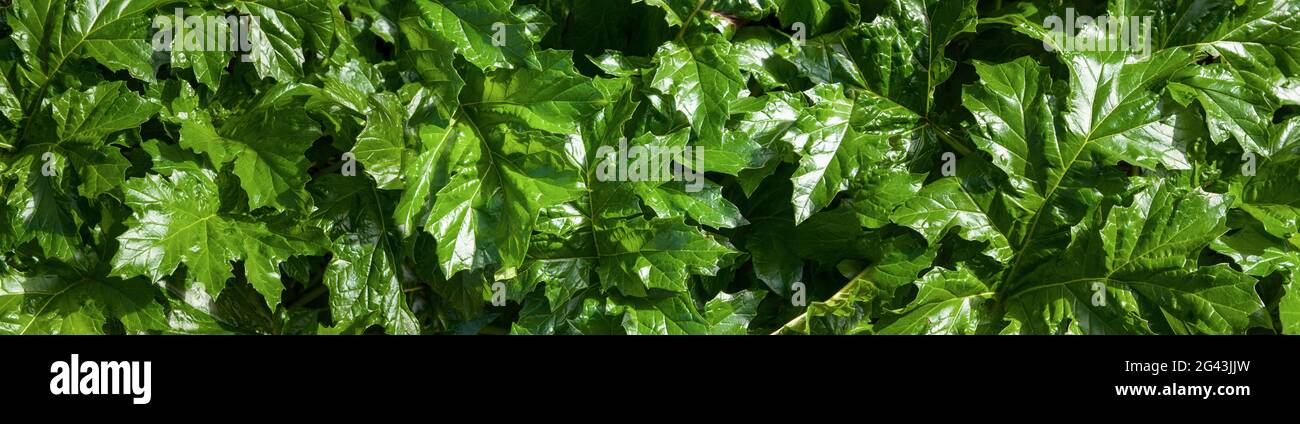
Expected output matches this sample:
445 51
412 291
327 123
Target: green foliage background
1094 192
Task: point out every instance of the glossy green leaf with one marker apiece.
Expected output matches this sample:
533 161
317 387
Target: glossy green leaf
948 302
552 98
207 64
485 32
1290 308
638 254
726 314
944 205
1141 262
177 220
114 33
702 77
266 145
282 31
364 275
58 299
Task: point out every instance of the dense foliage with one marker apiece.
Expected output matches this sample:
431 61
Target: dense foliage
431 166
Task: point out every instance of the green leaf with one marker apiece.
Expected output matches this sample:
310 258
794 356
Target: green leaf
705 204
1015 123
890 69
1143 255
817 16
898 56
1112 114
381 145
177 220
1270 196
114 33
1256 252
81 122
282 30
10 106
1264 31
701 75
553 97
88 117
484 178
752 145
1115 109
485 32
732 313
557 258
58 299
1236 104
604 230
946 204
756 50
484 214
1289 307
43 207
364 276
727 314
679 12
896 261
675 315
829 148
266 145
207 64
638 254
948 302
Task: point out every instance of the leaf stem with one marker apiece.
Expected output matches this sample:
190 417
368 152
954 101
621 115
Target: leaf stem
1196 169
309 296
949 139
689 19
